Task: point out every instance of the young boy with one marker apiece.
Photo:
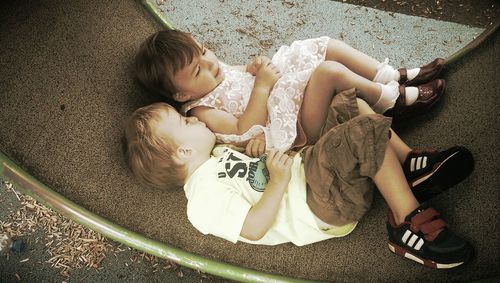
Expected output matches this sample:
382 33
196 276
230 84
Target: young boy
318 194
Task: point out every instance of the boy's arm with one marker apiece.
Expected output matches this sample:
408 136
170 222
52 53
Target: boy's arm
261 216
255 113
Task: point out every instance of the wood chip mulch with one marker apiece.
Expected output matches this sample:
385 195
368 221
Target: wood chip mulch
70 245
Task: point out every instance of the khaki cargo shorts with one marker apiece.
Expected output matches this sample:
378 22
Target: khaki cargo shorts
340 166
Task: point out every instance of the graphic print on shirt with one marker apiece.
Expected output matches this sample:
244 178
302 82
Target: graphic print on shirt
233 164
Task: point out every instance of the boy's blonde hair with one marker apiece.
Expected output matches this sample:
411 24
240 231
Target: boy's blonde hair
160 57
150 154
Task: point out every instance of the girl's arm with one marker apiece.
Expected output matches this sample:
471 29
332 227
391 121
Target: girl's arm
256 112
262 214
242 68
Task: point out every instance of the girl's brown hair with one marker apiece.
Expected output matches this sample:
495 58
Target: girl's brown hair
160 57
149 154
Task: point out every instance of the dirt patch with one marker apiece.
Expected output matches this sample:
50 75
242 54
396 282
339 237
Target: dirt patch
469 12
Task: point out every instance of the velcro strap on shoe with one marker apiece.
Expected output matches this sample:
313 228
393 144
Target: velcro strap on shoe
433 228
420 218
428 222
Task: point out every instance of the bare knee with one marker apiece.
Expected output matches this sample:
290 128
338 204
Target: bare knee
335 49
331 70
333 43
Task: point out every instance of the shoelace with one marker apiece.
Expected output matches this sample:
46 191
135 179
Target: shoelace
428 222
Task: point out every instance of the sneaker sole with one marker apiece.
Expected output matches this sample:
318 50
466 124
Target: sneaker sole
427 262
446 174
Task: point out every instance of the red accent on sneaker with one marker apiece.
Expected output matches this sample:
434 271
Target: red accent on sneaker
403 252
428 222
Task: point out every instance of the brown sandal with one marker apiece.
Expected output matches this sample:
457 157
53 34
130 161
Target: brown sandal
428 95
427 73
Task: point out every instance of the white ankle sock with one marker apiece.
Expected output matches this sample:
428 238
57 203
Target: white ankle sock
411 94
386 73
388 97
412 73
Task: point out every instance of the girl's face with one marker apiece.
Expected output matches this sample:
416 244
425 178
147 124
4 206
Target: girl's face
198 78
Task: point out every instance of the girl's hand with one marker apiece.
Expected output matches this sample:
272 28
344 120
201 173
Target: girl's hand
256 146
254 66
279 165
267 76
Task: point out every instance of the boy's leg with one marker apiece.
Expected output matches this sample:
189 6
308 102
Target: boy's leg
391 182
416 232
429 172
398 145
391 175
338 168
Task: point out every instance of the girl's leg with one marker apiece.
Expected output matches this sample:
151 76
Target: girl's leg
355 60
398 145
393 186
329 78
368 67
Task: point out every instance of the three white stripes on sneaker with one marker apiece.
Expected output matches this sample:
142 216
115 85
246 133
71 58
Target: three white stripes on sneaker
417 163
414 242
420 162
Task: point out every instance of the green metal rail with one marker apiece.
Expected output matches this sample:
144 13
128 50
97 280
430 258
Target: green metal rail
50 198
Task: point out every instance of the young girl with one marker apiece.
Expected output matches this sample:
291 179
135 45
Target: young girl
285 99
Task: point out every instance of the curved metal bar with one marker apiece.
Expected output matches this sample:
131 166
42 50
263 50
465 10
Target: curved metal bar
48 197
153 9
474 43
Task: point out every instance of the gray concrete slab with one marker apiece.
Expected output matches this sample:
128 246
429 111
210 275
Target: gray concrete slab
241 29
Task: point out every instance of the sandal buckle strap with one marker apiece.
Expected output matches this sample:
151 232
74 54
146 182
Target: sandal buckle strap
403 76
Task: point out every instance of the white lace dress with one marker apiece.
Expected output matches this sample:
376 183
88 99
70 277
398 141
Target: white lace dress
296 64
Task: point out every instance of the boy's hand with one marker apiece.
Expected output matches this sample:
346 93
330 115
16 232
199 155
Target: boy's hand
262 214
256 146
279 165
257 62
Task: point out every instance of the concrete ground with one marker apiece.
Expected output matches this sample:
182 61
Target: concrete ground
66 86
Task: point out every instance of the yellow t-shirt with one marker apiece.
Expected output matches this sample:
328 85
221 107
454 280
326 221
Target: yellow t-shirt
223 189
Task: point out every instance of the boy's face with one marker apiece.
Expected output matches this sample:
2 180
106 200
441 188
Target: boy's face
187 132
198 78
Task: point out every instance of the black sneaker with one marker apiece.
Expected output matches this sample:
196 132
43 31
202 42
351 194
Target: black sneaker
424 238
429 173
